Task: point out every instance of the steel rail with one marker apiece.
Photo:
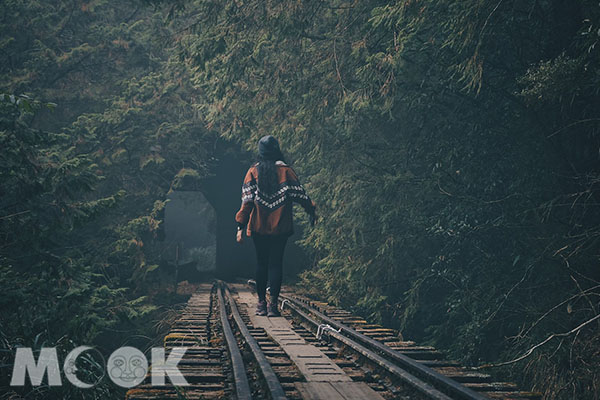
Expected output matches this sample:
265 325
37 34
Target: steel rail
443 383
240 376
402 374
273 383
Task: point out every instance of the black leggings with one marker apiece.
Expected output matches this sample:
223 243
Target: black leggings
269 262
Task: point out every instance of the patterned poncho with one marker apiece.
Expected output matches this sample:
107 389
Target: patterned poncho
271 214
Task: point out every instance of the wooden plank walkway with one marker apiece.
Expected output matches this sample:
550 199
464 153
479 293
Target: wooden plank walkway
324 378
336 391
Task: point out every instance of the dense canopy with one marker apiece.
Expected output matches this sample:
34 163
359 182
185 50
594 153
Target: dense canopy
452 148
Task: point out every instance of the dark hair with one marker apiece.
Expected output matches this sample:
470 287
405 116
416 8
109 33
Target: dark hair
268 180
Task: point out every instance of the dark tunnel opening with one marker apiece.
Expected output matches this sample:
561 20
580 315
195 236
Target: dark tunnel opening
193 229
223 191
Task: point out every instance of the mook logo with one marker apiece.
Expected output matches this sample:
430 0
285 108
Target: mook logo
126 367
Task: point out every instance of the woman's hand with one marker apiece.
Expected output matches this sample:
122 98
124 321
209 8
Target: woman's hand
312 218
240 237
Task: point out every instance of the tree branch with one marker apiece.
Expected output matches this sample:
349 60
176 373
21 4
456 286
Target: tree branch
531 350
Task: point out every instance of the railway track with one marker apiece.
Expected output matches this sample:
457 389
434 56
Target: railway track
314 351
421 367
205 365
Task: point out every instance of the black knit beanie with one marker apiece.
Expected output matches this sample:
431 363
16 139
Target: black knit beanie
268 148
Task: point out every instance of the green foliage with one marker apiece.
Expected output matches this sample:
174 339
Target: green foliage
49 286
452 149
84 178
432 138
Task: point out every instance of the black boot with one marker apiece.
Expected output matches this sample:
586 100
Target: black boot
272 310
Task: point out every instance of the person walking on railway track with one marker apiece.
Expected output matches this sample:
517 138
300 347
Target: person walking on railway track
269 190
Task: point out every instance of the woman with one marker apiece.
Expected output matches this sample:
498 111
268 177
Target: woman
269 190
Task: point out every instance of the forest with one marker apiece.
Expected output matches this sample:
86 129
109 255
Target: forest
452 148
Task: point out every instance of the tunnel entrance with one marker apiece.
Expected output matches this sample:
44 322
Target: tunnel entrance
200 224
223 191
190 230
